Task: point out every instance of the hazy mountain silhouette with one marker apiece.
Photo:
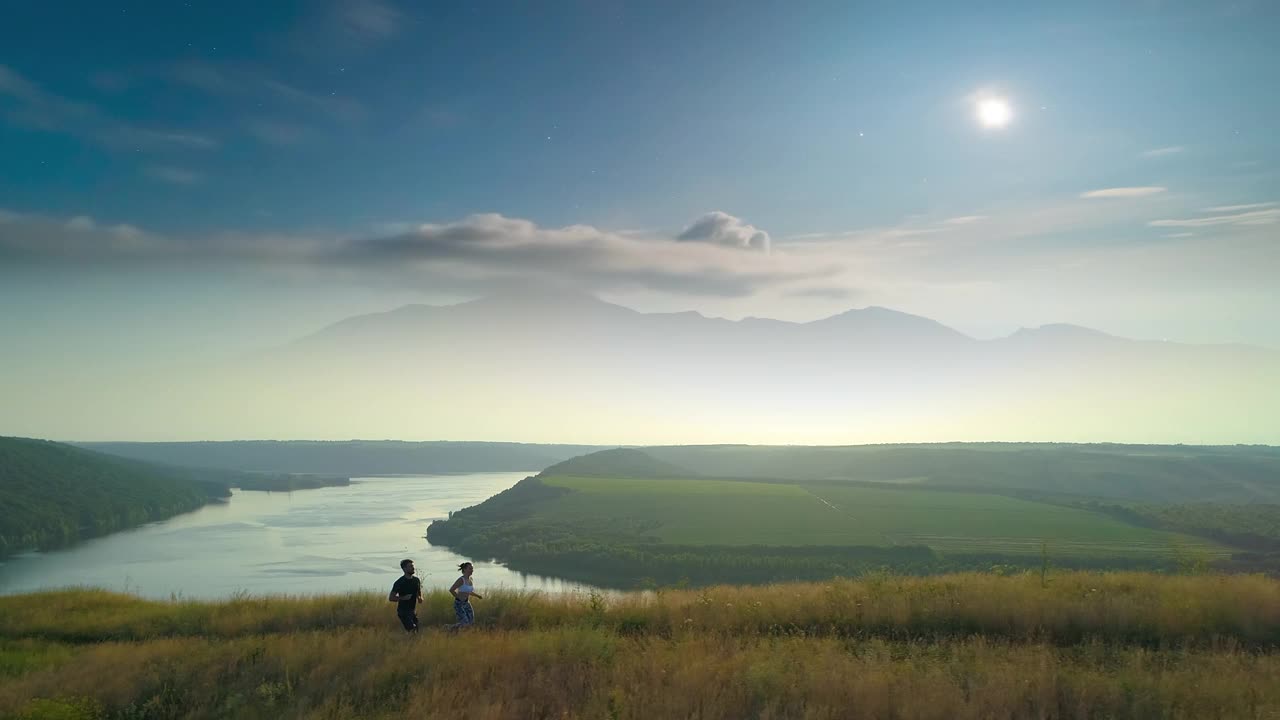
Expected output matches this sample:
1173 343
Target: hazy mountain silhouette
541 365
547 314
887 325
579 328
865 374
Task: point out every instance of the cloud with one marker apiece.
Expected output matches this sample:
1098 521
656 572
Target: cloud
480 250
906 235
204 77
1124 192
333 106
1161 152
273 132
1238 208
1014 241
174 175
719 228
493 245
1267 216
109 81
86 224
822 292
345 26
156 138
33 107
13 83
1174 236
964 219
259 88
368 20
79 240
82 241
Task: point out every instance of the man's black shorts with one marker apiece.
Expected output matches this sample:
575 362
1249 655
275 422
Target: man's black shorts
409 620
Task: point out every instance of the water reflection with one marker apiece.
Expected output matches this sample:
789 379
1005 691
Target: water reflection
313 541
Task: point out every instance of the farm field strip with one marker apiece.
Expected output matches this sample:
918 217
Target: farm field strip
1028 546
735 512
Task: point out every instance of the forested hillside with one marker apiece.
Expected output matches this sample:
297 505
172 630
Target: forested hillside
53 494
348 458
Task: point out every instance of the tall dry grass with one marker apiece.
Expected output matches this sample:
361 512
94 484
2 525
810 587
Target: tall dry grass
595 673
1132 608
1082 645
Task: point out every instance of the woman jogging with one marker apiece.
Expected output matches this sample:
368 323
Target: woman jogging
463 590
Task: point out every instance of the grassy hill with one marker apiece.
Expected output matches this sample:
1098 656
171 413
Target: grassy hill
53 494
746 514
959 646
1148 473
727 512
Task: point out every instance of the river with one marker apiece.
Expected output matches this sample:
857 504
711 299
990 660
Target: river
327 540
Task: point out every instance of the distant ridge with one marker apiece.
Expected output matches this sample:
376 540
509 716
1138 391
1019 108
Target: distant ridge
618 462
349 457
549 365
531 300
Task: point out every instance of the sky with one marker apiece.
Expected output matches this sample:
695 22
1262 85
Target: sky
192 179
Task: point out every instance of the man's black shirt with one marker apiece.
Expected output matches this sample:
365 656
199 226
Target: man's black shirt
407 587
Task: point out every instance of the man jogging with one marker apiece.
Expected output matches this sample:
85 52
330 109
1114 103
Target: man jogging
407 593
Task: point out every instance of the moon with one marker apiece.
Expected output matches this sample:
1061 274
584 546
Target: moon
994 113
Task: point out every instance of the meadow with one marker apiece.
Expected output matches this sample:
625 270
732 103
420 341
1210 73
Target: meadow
1139 473
726 512
640 517
1065 645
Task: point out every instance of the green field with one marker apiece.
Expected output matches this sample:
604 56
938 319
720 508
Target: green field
727 512
1136 473
632 517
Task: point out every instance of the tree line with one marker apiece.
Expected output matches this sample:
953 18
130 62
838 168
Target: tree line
53 494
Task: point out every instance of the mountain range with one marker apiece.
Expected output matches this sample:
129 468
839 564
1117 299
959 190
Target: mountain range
592 371
552 366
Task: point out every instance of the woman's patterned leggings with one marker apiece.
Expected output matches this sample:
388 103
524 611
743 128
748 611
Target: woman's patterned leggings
462 609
